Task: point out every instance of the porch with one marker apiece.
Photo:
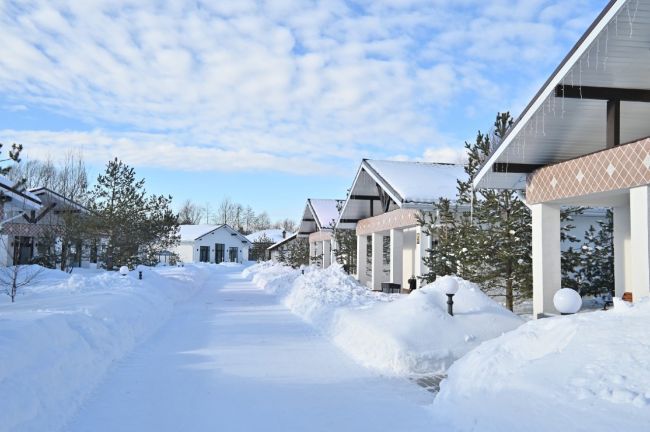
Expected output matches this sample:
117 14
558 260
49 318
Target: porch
617 178
390 248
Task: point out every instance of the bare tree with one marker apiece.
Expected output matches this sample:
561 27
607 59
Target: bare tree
262 222
248 219
225 211
190 213
206 212
16 277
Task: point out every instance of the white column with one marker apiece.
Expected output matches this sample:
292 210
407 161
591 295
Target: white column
640 242
377 260
362 251
332 249
547 272
421 247
622 255
327 253
396 255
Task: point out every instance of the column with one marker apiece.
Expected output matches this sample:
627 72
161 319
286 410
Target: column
547 273
333 250
422 243
396 255
640 243
362 249
622 255
327 253
377 263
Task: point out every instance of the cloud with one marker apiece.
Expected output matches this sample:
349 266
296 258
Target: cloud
265 84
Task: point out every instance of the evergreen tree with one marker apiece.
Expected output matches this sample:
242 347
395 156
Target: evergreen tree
441 226
596 272
136 227
298 252
346 245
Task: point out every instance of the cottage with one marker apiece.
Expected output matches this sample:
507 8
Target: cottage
16 246
34 234
382 206
281 247
583 140
318 220
212 243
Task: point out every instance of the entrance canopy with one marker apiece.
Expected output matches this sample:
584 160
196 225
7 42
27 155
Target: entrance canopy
384 186
597 98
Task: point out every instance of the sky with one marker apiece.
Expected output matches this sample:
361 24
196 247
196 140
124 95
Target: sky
270 102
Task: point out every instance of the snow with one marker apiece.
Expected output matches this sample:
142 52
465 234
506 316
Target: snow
65 331
274 234
395 334
189 233
326 210
420 182
232 358
582 372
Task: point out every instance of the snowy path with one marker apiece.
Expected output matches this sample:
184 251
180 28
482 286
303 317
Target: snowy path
233 359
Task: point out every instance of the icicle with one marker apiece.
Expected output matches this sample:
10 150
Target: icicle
580 77
597 51
631 19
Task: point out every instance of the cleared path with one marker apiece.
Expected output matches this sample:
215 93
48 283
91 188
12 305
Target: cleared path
233 359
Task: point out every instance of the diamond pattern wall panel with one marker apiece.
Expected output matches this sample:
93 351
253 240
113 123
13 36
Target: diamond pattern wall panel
620 167
400 218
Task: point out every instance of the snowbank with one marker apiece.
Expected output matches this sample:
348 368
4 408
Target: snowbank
65 330
394 333
415 334
581 372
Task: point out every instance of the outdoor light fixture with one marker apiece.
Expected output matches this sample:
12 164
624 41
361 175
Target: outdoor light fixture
567 301
450 286
124 270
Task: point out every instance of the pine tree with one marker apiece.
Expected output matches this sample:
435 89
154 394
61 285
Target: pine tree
440 225
298 252
596 271
136 226
346 245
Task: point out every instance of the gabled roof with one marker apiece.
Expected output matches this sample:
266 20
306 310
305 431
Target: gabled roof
273 234
190 233
402 184
46 194
19 199
555 125
283 241
319 215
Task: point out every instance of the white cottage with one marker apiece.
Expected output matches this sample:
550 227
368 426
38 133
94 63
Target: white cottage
318 220
281 247
383 204
212 243
592 149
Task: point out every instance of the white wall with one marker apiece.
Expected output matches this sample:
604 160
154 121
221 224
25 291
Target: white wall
190 252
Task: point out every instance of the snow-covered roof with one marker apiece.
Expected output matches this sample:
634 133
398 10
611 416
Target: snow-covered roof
40 192
566 118
418 182
283 241
381 186
325 211
274 234
18 198
192 232
319 214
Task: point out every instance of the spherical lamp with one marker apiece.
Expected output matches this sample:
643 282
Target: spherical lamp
124 270
567 301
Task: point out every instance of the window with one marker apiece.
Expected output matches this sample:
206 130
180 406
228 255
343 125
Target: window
219 251
204 254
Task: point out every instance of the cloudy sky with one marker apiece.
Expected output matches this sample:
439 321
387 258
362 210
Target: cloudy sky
269 102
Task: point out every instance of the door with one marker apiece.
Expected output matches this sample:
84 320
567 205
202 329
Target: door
23 250
233 253
204 254
219 251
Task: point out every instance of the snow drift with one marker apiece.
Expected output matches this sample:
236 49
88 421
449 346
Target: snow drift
393 333
64 332
583 372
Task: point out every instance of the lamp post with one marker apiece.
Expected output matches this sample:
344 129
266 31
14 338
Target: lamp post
450 286
124 270
567 301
